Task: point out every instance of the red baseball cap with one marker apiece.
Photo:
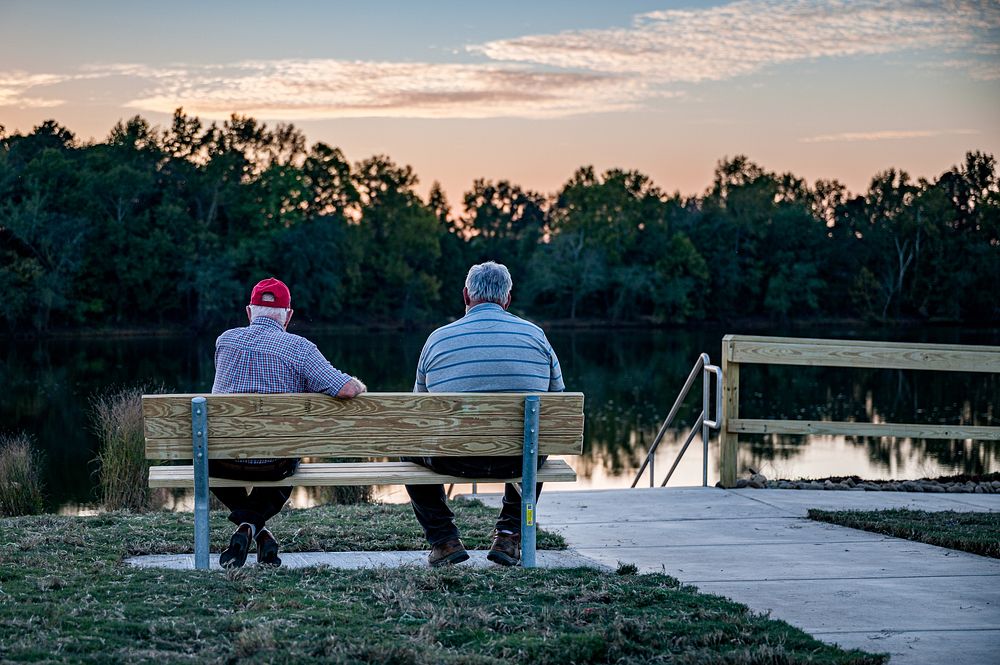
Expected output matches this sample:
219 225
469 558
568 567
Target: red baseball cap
271 292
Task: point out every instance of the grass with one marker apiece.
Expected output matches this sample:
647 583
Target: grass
977 532
121 458
65 596
21 490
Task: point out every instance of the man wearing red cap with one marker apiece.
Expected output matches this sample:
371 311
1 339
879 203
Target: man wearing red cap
264 358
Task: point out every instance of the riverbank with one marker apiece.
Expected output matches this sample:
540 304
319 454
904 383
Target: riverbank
763 326
66 596
961 484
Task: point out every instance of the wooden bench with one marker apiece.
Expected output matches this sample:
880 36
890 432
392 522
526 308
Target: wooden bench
310 425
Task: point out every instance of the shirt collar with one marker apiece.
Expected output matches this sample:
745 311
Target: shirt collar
267 322
484 307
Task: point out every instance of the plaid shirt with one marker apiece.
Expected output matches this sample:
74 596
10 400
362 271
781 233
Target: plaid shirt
263 358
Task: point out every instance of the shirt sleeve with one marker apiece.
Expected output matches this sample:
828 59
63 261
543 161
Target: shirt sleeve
320 376
420 383
218 381
556 384
222 378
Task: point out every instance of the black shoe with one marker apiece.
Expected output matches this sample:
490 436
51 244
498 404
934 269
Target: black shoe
235 555
506 549
267 549
447 553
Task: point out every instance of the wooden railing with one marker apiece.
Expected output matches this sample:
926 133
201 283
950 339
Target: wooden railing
738 350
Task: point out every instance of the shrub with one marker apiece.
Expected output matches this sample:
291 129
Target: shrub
348 494
20 476
122 466
344 495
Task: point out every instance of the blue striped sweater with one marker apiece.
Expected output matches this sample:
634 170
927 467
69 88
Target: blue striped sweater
488 350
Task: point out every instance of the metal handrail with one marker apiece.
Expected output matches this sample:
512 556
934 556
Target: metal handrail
703 366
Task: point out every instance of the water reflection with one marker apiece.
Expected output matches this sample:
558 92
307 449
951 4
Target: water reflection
630 378
922 397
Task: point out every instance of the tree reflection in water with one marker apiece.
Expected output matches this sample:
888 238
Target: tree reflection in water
630 378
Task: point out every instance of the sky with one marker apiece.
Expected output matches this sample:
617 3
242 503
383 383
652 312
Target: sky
531 91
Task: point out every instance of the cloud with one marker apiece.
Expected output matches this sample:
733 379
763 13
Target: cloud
557 75
323 88
307 89
978 70
886 135
740 38
15 85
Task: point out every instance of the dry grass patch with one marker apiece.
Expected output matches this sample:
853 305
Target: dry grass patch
21 490
123 470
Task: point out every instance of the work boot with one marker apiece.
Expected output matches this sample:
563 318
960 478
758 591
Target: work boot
447 553
235 555
267 549
506 548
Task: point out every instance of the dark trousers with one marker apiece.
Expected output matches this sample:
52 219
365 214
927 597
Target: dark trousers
430 504
259 504
254 507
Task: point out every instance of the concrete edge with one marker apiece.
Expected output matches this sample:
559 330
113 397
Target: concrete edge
568 558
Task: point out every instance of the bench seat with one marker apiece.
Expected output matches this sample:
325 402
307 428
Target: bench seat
200 428
319 474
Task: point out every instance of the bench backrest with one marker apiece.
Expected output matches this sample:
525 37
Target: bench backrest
372 425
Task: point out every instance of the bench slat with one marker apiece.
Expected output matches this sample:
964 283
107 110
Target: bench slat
414 425
372 473
379 444
393 424
508 406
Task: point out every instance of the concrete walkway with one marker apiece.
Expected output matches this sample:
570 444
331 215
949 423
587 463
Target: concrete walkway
922 604
356 560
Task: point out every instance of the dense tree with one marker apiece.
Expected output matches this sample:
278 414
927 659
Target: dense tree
170 226
43 233
400 244
616 229
503 223
453 262
564 272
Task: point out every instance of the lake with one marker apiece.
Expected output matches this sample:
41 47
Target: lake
630 378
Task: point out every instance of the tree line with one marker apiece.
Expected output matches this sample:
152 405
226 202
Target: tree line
170 226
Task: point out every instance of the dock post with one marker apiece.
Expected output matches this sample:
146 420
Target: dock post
728 441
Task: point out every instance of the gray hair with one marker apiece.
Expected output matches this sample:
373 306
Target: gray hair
279 314
489 282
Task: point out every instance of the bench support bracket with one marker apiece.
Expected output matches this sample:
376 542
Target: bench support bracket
528 472
199 441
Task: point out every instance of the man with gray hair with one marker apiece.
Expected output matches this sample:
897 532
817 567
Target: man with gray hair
487 350
264 358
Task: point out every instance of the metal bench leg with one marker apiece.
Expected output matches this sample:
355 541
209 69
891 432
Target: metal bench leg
199 440
528 472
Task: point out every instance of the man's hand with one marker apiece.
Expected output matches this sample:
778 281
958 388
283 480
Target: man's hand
352 388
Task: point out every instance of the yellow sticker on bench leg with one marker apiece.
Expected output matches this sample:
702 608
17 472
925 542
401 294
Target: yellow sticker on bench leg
530 514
